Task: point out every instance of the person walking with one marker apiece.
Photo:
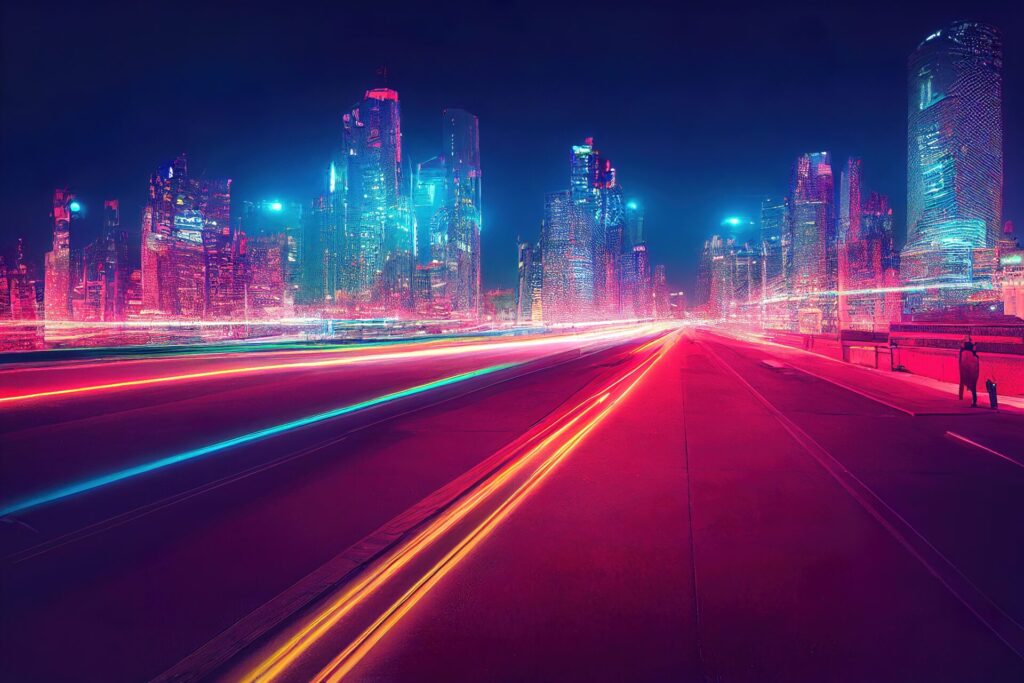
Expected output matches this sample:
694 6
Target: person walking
969 367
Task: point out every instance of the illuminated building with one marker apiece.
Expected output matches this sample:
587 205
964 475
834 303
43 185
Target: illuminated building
813 243
273 232
376 235
774 219
660 294
954 162
319 266
461 149
638 289
57 285
568 280
530 284
867 256
634 217
186 241
431 210
20 296
677 304
716 284
430 291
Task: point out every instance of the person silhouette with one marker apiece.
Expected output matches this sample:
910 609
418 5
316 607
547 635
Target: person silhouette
969 370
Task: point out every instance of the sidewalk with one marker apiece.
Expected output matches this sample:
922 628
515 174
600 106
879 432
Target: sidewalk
902 390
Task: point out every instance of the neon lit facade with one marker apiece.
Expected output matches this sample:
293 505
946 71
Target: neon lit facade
954 162
57 292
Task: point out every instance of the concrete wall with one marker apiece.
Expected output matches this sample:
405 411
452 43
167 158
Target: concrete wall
1006 369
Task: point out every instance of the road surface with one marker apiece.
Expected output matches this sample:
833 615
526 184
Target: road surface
626 506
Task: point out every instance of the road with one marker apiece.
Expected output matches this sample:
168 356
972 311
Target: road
154 556
618 505
728 520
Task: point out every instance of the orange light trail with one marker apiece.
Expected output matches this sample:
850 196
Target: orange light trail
300 643
332 362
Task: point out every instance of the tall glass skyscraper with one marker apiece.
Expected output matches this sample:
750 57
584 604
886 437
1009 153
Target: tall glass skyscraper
376 235
954 161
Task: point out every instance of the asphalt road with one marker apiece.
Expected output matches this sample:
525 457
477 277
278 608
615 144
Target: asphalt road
744 512
135 530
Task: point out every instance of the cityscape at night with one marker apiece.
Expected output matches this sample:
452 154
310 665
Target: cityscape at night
574 342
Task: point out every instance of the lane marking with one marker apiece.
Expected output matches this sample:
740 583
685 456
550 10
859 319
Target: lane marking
847 387
52 495
996 453
1001 624
143 510
455 349
299 644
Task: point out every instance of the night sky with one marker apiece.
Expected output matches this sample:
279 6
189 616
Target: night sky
701 109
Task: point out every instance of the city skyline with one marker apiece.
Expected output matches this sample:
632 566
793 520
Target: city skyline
681 203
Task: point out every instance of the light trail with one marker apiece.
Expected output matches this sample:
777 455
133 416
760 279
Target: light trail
567 439
96 482
871 290
455 349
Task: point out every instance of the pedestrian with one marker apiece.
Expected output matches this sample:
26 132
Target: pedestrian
969 366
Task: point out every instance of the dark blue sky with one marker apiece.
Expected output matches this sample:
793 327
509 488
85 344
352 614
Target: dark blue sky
701 107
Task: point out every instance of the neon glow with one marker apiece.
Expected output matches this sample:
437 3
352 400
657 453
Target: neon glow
121 475
456 349
734 221
563 439
276 206
75 207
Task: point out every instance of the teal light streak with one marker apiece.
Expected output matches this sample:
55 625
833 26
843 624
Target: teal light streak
114 477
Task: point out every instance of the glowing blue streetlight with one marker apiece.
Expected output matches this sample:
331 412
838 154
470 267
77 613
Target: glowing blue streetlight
733 221
276 206
75 206
632 205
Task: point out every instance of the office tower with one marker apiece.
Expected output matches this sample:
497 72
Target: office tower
640 290
57 284
954 162
183 245
21 289
774 219
529 307
460 134
660 294
716 288
319 245
273 256
812 276
568 282
431 210
376 238
634 229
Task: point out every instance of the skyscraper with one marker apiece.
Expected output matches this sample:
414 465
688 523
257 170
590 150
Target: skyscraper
57 283
376 233
954 161
184 221
529 306
812 229
568 260
460 135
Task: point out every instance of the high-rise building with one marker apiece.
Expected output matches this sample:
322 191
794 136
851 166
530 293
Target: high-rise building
376 236
954 162
460 132
774 219
57 285
634 223
184 225
812 228
529 307
274 255
568 281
